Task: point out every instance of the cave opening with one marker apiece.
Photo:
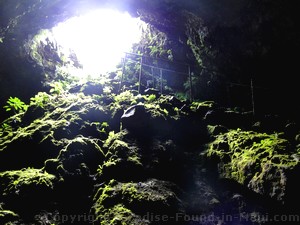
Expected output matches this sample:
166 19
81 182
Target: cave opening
90 45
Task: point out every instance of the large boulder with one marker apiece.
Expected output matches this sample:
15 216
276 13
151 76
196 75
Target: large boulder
265 163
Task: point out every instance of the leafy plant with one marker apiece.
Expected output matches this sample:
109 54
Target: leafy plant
57 87
40 99
150 98
16 105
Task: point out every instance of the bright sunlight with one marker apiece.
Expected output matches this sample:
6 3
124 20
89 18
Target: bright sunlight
99 39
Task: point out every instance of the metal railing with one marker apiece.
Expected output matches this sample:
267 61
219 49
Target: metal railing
156 64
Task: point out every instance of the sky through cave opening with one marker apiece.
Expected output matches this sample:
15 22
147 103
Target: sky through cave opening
99 39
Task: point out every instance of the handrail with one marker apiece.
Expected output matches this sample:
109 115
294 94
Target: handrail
188 73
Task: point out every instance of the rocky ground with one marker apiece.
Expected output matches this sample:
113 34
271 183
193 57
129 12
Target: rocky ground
86 155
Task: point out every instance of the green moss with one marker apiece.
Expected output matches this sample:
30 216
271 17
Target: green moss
156 111
125 97
102 195
4 213
160 107
135 159
245 155
15 181
196 105
41 99
62 112
111 162
7 216
118 145
7 213
6 130
117 215
112 137
83 142
120 154
122 101
150 98
116 202
152 191
130 190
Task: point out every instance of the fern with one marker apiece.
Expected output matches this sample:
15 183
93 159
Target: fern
16 105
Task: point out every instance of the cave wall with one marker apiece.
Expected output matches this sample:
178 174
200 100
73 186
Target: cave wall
246 40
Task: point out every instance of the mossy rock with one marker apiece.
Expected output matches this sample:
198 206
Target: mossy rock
14 182
66 117
81 150
132 202
27 189
123 159
260 161
119 215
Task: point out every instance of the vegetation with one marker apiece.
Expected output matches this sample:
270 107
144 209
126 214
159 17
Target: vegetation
250 158
126 196
90 147
16 105
15 182
81 145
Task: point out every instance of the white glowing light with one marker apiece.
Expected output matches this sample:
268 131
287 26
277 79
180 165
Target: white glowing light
99 38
